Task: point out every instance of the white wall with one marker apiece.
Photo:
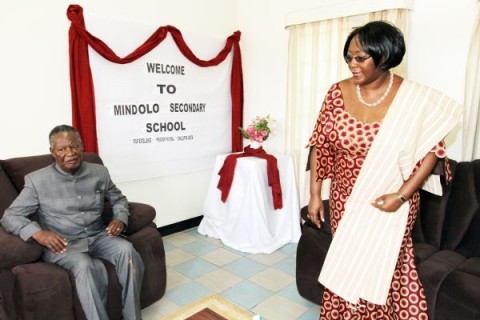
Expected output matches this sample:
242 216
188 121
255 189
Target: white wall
438 49
34 81
439 39
35 87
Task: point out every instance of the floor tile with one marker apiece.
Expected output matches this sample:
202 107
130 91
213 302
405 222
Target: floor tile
268 259
247 294
287 265
175 278
177 256
195 268
194 232
245 267
289 249
159 309
291 293
272 279
187 293
180 239
214 241
221 257
199 247
310 314
168 246
264 284
278 308
219 280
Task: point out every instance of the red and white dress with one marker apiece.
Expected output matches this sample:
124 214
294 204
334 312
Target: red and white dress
342 144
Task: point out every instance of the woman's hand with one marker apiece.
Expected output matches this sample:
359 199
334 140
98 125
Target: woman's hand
388 202
315 211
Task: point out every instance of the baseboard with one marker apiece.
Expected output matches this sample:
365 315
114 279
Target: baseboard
180 226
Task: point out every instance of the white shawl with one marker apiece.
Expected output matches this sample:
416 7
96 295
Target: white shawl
362 256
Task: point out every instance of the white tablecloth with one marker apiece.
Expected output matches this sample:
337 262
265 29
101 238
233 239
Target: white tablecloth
247 221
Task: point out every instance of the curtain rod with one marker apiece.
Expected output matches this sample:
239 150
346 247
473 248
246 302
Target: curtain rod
348 8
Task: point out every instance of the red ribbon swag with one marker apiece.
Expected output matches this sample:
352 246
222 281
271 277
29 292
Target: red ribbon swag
81 81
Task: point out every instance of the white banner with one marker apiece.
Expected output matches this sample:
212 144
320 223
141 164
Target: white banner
161 114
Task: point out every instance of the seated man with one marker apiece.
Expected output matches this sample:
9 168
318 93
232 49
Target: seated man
69 196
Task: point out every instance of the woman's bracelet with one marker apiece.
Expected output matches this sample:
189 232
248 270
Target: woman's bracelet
401 197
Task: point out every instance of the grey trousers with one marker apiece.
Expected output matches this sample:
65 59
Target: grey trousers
91 276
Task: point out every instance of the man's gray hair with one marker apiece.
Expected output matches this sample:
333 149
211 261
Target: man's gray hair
63 128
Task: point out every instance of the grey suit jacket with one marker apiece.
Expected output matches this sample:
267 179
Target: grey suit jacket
69 204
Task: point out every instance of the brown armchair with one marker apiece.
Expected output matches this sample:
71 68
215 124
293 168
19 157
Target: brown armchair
33 289
446 240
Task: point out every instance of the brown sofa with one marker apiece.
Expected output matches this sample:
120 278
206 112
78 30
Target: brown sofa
33 289
446 240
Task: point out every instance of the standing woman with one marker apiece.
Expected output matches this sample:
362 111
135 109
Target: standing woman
378 138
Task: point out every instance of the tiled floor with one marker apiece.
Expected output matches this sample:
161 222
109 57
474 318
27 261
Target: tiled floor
198 266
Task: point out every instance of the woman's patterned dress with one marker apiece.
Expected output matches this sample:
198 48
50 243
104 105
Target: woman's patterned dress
342 144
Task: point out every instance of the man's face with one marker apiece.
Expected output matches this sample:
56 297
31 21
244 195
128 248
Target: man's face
67 151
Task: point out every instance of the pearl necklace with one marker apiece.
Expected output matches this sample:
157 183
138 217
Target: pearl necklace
376 103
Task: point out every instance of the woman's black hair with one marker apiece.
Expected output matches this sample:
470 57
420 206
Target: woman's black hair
379 39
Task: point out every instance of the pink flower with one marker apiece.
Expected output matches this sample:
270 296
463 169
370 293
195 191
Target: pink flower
258 130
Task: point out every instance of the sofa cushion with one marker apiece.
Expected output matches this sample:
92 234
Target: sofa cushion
469 246
9 193
149 244
141 215
14 251
423 251
429 225
36 286
459 296
434 271
471 266
311 252
17 168
7 305
463 205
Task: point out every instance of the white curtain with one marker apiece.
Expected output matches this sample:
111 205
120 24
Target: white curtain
471 116
315 62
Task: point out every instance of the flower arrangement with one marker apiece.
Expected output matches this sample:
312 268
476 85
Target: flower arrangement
259 129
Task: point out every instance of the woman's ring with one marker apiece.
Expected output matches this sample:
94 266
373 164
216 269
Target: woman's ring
118 229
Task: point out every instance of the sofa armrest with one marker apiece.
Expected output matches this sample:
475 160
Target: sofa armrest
141 215
42 291
324 226
14 251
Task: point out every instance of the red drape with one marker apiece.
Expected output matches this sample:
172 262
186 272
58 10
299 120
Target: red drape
81 81
227 172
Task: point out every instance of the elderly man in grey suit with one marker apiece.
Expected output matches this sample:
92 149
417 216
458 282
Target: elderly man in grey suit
69 197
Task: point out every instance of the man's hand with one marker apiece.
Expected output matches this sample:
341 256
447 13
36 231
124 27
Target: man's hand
51 241
115 227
